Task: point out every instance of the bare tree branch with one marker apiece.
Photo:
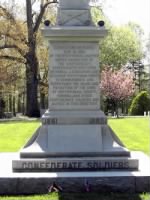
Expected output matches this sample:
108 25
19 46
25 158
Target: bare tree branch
40 16
7 46
43 84
20 37
13 58
29 19
33 2
8 14
21 51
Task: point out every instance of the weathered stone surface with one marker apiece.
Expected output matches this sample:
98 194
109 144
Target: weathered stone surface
33 185
8 185
74 18
73 117
115 184
74 76
142 184
22 186
72 33
74 139
71 4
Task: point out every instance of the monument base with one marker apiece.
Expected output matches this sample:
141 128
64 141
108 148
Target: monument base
74 141
14 183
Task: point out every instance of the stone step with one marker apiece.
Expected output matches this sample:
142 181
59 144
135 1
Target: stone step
75 164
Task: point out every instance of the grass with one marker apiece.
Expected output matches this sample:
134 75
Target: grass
133 132
14 134
81 196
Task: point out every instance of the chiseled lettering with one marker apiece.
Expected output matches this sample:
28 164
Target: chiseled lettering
75 164
24 165
30 165
108 164
126 164
115 165
53 165
95 164
36 165
121 165
47 165
64 165
80 66
89 165
79 165
70 165
42 165
58 165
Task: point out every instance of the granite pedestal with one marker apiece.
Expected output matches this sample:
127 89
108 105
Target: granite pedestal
14 183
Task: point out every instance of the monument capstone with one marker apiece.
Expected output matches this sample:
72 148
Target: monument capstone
74 134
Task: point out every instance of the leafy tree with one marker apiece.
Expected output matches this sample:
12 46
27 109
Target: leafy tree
43 76
148 59
116 86
137 29
23 41
122 44
11 83
140 104
120 47
148 49
98 14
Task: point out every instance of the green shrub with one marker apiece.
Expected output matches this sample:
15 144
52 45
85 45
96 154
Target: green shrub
140 104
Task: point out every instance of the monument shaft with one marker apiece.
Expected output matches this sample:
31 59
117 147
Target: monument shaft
74 76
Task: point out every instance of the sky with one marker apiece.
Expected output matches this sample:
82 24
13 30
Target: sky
123 11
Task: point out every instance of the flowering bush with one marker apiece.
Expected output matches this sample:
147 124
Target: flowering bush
117 85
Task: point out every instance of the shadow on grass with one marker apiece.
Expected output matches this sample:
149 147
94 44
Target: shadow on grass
100 196
20 121
79 196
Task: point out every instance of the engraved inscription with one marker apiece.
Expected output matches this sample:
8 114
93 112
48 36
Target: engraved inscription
76 164
74 75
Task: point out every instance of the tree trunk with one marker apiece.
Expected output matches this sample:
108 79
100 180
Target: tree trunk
42 100
14 106
10 103
116 108
19 103
32 107
2 107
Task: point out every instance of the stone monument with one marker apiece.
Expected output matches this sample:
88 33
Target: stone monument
74 135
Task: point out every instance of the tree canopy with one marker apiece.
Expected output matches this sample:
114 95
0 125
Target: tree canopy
120 47
19 42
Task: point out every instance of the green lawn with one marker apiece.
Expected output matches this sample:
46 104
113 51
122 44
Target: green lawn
13 135
82 196
133 132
